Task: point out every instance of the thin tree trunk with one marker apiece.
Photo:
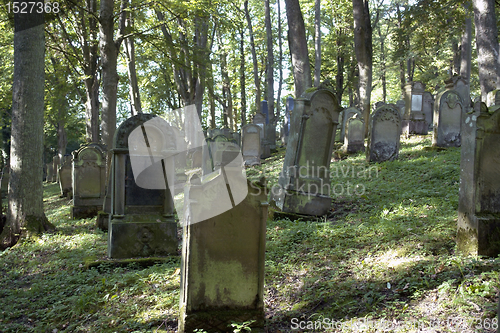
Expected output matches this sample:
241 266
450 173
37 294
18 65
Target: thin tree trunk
297 44
25 213
364 53
317 42
382 64
487 46
280 63
271 128
242 79
135 97
254 59
339 77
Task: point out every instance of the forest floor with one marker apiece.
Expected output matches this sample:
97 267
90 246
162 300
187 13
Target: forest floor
383 260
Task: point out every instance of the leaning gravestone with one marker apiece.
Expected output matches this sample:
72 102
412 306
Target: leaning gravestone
346 115
65 177
304 183
222 279
354 140
479 196
383 139
89 180
250 147
447 119
141 223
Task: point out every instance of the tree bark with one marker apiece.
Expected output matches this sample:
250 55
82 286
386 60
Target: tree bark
297 44
135 97
243 95
364 53
90 69
254 59
25 213
271 128
317 42
487 46
280 63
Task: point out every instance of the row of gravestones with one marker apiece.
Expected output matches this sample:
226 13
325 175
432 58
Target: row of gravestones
141 221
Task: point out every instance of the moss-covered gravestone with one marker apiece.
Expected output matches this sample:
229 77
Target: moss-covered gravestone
89 179
479 196
447 119
304 183
383 139
141 223
222 273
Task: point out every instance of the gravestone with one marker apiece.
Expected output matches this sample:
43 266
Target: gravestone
66 177
493 98
141 223
400 106
55 164
222 279
50 171
236 137
383 138
250 146
460 85
346 115
226 131
447 119
89 180
207 164
479 196
304 183
265 110
288 112
413 121
223 147
260 120
196 158
354 140
428 109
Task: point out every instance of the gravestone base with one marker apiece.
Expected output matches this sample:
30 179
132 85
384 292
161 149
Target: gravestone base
418 126
141 236
102 220
301 203
484 240
354 147
217 321
84 212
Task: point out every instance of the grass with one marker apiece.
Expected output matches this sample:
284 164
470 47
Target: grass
385 252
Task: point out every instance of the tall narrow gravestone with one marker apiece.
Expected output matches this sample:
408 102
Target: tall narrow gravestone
354 140
65 176
383 139
414 118
304 183
479 196
260 120
56 161
250 147
89 180
141 223
50 172
447 119
428 109
222 270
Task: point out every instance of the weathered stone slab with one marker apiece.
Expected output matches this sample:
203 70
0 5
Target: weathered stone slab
222 277
413 121
66 177
251 146
383 139
479 196
304 183
56 161
447 119
346 115
89 180
354 140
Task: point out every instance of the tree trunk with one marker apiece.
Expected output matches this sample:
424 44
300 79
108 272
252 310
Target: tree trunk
401 46
465 54
339 77
364 54
25 213
254 59
280 63
382 64
271 128
317 42
455 70
297 44
487 46
243 94
90 69
135 97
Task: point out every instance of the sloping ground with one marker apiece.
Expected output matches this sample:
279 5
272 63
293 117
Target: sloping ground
385 256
